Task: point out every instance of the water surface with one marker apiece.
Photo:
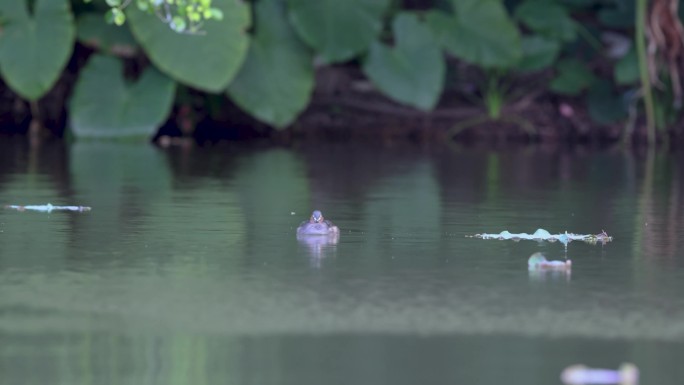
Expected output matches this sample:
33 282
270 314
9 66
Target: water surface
187 270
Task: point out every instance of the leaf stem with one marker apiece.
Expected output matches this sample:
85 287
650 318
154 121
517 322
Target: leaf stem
640 33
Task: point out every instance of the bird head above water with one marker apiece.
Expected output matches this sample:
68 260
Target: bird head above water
316 216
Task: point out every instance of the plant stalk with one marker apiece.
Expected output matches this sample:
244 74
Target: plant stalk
640 36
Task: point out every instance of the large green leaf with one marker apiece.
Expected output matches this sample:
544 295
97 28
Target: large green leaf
538 53
412 72
626 69
103 105
573 77
338 30
481 32
620 15
580 3
208 61
34 49
94 31
275 82
604 104
547 18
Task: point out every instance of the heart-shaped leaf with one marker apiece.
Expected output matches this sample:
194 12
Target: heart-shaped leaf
538 53
481 33
103 105
573 77
92 30
337 30
412 72
275 82
547 18
35 48
208 61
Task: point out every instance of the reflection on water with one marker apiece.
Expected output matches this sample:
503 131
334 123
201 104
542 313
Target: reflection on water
544 275
188 269
319 246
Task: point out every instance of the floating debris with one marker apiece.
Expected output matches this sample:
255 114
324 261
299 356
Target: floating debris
543 235
538 261
628 374
48 208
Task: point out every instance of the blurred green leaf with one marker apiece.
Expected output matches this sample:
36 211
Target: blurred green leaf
337 30
104 106
604 104
35 48
538 53
621 15
275 82
573 77
481 32
412 72
626 69
93 31
547 18
207 62
579 3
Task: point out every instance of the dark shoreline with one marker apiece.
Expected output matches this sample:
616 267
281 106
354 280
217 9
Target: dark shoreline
345 107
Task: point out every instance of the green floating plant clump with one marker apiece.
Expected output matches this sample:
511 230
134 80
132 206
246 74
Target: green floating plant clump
543 235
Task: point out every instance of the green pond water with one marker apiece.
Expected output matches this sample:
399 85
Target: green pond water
188 271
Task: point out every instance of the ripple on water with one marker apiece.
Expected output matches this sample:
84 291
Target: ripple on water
252 306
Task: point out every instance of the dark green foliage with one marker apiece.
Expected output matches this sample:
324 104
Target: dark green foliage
573 77
207 62
276 80
92 30
604 104
104 105
411 72
266 65
619 14
547 18
34 48
538 53
481 32
627 69
337 30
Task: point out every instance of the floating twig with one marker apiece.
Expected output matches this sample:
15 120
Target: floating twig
47 208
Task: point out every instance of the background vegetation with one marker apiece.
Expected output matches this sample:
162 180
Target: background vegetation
517 63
